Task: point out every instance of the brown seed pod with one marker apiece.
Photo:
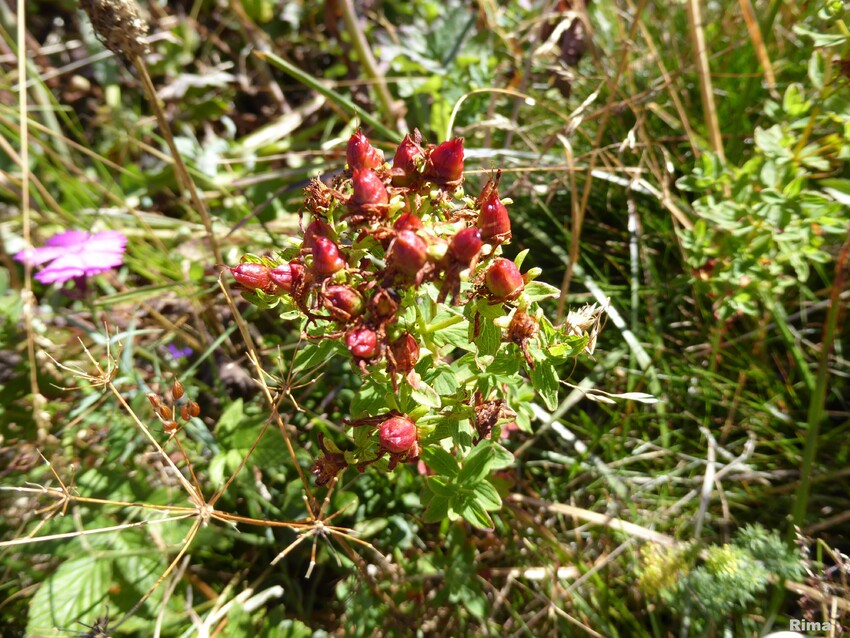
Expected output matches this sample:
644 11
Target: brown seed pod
165 412
176 390
194 409
184 412
170 426
155 400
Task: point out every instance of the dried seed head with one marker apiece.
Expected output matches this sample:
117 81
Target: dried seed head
184 412
170 426
165 412
119 24
155 400
176 390
503 278
194 408
360 154
398 434
405 351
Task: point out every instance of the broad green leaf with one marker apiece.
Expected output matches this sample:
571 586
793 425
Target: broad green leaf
425 395
545 381
465 505
76 591
538 291
487 496
441 461
477 464
437 510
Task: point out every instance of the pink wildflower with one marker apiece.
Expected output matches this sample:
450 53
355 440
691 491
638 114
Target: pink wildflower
76 254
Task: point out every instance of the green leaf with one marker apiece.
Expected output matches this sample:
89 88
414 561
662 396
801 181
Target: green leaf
538 291
489 338
487 496
544 378
425 395
77 590
437 510
442 462
468 507
477 464
822 39
230 419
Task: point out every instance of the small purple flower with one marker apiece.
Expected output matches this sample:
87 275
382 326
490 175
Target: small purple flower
178 353
76 254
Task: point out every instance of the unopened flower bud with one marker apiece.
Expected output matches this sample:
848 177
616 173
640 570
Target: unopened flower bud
404 163
407 221
282 275
493 220
252 276
397 434
361 154
503 278
316 228
326 258
409 252
362 343
446 161
369 190
405 351
466 245
343 301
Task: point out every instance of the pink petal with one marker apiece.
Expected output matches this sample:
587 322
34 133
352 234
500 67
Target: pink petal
51 275
68 238
37 256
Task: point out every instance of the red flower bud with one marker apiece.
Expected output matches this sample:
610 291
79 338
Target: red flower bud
252 276
407 221
503 278
446 161
316 228
466 245
369 190
343 301
397 434
493 219
282 275
408 252
326 259
404 163
361 154
362 343
405 351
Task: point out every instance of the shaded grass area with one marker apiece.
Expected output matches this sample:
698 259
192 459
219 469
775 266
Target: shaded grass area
593 173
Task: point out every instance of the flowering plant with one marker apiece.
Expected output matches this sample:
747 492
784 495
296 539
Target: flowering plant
76 254
400 271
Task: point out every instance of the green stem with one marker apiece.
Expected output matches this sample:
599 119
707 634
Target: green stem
445 323
816 404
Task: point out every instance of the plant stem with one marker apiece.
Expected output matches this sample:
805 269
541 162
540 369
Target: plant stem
816 404
184 180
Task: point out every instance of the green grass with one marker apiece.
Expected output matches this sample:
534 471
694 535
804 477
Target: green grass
752 373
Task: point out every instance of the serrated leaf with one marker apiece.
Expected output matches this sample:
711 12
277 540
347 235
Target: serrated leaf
77 590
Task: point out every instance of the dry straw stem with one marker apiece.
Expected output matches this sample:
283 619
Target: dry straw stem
758 44
704 72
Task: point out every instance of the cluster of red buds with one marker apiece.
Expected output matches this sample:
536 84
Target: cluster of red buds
373 243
